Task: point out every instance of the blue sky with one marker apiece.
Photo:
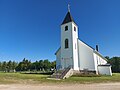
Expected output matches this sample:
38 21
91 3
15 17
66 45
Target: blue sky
31 28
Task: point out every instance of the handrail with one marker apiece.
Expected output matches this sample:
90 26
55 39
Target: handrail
65 71
61 75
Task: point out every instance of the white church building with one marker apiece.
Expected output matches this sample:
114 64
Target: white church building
77 54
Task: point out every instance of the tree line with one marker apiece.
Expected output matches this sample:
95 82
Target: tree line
115 63
27 65
46 65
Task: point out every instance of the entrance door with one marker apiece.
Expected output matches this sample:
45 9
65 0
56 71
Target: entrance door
67 62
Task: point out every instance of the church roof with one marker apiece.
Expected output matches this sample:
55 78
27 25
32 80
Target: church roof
87 44
68 18
57 50
99 55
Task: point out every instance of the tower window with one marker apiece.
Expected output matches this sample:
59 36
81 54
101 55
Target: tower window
66 43
75 29
66 28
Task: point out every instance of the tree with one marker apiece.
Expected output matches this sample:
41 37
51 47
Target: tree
4 66
41 64
53 64
46 65
35 66
24 65
9 66
14 65
115 62
0 66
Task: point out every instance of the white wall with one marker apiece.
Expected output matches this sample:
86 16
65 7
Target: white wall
101 64
58 59
101 61
75 46
86 57
98 60
105 70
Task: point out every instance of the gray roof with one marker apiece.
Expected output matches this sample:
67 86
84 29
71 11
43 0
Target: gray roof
68 18
87 44
57 50
99 55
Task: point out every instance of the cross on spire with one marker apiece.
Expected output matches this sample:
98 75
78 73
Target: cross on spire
68 7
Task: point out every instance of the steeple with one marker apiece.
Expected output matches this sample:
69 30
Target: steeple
69 42
68 7
68 18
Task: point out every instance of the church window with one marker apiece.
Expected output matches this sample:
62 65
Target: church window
66 43
66 28
75 29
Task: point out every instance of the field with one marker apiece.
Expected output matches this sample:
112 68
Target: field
20 78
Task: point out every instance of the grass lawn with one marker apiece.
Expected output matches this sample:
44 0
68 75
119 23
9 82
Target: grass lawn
101 79
18 78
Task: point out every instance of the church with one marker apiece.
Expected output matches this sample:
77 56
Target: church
77 54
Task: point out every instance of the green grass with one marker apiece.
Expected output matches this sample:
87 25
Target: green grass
95 79
12 78
22 78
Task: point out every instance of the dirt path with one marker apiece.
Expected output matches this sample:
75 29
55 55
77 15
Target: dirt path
105 86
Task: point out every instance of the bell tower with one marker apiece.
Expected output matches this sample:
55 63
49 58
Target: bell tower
69 42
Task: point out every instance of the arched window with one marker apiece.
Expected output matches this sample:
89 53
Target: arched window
75 29
66 28
66 43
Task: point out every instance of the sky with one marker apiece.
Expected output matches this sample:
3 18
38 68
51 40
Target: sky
31 28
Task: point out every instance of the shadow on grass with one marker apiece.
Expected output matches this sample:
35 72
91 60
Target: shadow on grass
39 73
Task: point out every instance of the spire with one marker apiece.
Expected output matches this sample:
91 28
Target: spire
68 7
68 18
